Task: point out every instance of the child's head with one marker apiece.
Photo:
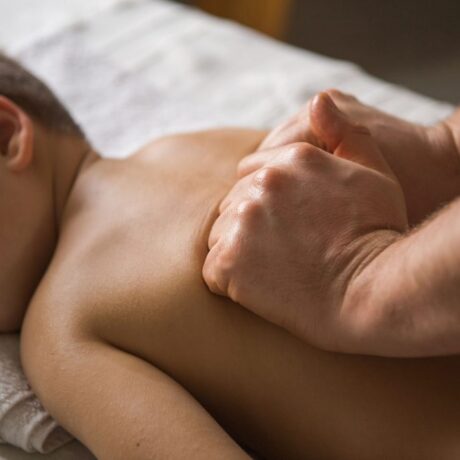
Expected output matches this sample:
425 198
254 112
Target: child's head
41 148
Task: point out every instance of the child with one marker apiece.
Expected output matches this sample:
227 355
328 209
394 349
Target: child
128 349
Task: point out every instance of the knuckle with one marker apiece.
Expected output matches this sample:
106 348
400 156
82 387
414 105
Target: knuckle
360 129
237 289
218 270
249 210
226 267
269 178
302 152
243 165
208 272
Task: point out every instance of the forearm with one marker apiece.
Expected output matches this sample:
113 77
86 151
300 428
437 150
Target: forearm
453 124
406 301
429 176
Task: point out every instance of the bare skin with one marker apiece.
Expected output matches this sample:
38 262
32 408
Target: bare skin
129 350
351 277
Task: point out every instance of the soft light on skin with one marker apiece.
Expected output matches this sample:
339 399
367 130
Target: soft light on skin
453 127
376 298
37 170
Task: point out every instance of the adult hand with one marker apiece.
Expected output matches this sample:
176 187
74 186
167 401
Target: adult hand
418 155
292 235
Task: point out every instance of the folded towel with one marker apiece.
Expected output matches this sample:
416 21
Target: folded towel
23 421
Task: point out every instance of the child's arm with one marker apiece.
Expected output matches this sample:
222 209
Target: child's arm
120 406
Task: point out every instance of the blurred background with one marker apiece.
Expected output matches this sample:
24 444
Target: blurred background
415 43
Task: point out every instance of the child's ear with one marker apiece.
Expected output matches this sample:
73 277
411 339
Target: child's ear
16 136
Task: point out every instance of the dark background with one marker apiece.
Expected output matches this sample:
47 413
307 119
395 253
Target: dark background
412 43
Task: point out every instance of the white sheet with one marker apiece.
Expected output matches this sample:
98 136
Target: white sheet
134 69
153 68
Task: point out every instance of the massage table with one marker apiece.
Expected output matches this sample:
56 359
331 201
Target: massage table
132 70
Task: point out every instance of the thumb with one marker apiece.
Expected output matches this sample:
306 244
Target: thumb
344 138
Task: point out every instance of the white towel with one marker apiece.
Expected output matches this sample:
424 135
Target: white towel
23 421
131 70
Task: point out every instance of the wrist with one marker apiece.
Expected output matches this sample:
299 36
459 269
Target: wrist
369 291
445 137
453 124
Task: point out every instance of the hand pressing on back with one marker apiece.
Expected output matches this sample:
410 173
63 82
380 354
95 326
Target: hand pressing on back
425 159
302 223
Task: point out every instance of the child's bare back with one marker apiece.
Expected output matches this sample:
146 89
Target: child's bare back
129 350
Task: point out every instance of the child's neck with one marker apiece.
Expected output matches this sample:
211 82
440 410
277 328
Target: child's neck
72 157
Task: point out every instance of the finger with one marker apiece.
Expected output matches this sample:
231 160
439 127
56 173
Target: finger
239 190
255 161
297 153
219 228
327 121
212 275
295 129
344 138
360 147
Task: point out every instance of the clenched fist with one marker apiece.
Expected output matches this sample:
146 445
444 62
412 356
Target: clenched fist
424 159
293 234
